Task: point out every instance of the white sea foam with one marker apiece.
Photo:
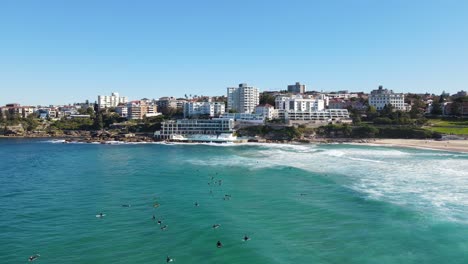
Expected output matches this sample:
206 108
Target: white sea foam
431 182
54 141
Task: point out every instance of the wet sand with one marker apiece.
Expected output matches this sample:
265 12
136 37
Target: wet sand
447 145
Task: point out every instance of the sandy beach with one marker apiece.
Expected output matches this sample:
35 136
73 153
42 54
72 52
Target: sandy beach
447 145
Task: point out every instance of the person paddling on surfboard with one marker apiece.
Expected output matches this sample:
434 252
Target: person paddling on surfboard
34 257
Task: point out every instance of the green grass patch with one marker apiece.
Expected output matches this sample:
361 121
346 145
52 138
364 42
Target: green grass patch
437 122
449 130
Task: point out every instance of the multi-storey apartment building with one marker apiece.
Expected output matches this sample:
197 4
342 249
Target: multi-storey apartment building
105 101
242 99
298 103
203 108
381 97
297 88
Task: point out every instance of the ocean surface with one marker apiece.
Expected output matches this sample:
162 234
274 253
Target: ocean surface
297 203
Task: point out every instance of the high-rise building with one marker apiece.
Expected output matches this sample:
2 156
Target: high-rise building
105 101
381 97
242 99
297 88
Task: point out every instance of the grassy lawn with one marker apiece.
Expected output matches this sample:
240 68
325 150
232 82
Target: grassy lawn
448 122
450 130
448 126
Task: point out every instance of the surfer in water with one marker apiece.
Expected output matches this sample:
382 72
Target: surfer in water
216 226
168 259
34 257
246 238
154 217
197 204
219 244
159 221
164 227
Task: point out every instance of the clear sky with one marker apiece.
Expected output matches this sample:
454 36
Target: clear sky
55 52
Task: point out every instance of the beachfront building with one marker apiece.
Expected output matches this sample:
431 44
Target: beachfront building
297 88
323 115
105 101
381 97
193 109
216 129
297 103
139 109
245 119
242 99
266 110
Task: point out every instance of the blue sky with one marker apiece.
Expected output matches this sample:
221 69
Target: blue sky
55 52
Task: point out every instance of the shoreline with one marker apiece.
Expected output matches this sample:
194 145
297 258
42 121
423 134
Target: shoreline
460 146
452 145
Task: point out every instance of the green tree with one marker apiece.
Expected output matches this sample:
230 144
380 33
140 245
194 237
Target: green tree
457 108
436 108
98 122
371 113
266 98
387 110
31 122
347 130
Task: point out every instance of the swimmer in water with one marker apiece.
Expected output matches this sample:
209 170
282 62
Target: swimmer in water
197 204
34 257
219 244
154 217
168 259
246 238
159 222
216 226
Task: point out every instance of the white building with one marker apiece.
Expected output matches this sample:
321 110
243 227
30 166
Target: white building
203 108
245 118
186 129
381 97
324 115
268 111
298 103
122 110
105 101
242 99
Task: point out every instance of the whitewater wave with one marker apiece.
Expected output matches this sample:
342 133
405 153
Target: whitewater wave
426 181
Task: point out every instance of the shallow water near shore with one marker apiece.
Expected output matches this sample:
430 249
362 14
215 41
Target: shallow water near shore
298 203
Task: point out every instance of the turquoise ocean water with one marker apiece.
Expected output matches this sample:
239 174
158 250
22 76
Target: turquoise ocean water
298 203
